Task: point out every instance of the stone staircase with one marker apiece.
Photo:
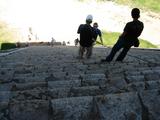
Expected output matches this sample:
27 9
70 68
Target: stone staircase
49 83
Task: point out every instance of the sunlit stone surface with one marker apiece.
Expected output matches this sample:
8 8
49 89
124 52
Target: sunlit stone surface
50 83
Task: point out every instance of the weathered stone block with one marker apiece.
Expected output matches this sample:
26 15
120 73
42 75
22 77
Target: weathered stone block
29 110
5 96
132 73
23 70
94 76
85 91
137 86
4 112
139 78
150 85
5 86
152 76
28 86
56 93
125 106
30 95
117 82
76 108
29 79
6 75
151 104
64 83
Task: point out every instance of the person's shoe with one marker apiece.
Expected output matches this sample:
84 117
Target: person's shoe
119 61
104 60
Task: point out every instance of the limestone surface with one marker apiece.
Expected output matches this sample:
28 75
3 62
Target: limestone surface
50 83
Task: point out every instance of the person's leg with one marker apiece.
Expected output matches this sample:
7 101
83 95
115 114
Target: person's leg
81 51
89 52
114 50
123 53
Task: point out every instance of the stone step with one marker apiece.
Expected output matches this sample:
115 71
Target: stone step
118 82
95 71
6 75
76 108
107 107
23 70
29 86
4 110
82 80
29 109
56 93
138 68
101 82
142 86
124 105
43 74
64 84
49 83
141 77
86 91
135 78
132 73
22 79
5 96
64 75
6 86
118 107
115 75
94 76
34 94
34 69
150 104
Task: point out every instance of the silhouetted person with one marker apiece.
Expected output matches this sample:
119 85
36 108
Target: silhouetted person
52 41
64 43
86 32
97 32
128 38
76 41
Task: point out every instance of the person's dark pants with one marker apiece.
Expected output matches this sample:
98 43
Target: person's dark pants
120 44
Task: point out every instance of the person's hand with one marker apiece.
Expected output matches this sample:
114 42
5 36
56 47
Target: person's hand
93 40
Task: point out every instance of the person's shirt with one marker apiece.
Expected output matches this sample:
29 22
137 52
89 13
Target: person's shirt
133 30
86 35
97 33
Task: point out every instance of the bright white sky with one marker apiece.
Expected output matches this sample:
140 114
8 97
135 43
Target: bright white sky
60 18
48 18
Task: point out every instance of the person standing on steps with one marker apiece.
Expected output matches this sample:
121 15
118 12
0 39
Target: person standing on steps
87 36
128 38
52 41
97 32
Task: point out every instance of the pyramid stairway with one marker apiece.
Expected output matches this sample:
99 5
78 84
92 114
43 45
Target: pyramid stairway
50 83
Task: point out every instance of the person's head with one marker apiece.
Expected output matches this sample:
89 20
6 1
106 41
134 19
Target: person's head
95 24
89 19
135 13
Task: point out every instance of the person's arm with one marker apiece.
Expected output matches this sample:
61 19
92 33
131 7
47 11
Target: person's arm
100 36
140 29
123 34
78 31
80 28
125 30
101 39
